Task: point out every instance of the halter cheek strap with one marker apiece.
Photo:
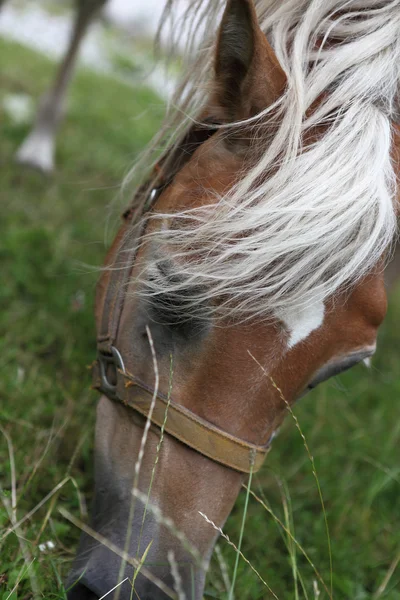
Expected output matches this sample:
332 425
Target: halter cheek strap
112 379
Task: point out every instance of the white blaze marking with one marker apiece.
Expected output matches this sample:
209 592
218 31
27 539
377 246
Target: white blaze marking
301 322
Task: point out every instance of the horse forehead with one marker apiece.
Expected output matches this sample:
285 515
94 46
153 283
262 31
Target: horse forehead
212 168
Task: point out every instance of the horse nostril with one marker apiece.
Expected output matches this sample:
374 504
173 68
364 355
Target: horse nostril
152 593
81 592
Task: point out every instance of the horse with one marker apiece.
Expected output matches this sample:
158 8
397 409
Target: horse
248 269
38 149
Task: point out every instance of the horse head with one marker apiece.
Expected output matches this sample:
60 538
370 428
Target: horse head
255 273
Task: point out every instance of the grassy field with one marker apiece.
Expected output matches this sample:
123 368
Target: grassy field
49 228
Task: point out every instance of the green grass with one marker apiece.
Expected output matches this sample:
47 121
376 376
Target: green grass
48 228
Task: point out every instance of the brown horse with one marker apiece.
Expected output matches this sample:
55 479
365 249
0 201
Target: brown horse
183 344
38 149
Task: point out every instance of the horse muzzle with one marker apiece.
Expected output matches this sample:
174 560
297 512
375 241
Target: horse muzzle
92 583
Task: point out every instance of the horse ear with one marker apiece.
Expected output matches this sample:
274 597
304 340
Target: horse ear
248 76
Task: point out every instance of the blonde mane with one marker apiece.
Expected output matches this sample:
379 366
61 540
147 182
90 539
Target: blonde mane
325 216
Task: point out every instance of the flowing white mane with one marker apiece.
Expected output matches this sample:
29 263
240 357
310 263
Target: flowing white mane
325 216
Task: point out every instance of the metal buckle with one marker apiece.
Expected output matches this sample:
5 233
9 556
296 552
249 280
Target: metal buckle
152 197
105 360
154 194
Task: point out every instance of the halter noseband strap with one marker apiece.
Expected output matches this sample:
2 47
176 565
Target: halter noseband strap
175 419
112 379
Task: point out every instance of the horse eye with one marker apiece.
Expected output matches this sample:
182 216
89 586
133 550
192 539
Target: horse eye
338 367
170 304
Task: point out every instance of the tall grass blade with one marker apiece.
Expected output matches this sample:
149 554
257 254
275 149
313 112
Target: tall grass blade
141 563
311 458
139 460
246 505
289 534
153 472
242 556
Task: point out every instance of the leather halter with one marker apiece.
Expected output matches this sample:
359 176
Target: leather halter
111 378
